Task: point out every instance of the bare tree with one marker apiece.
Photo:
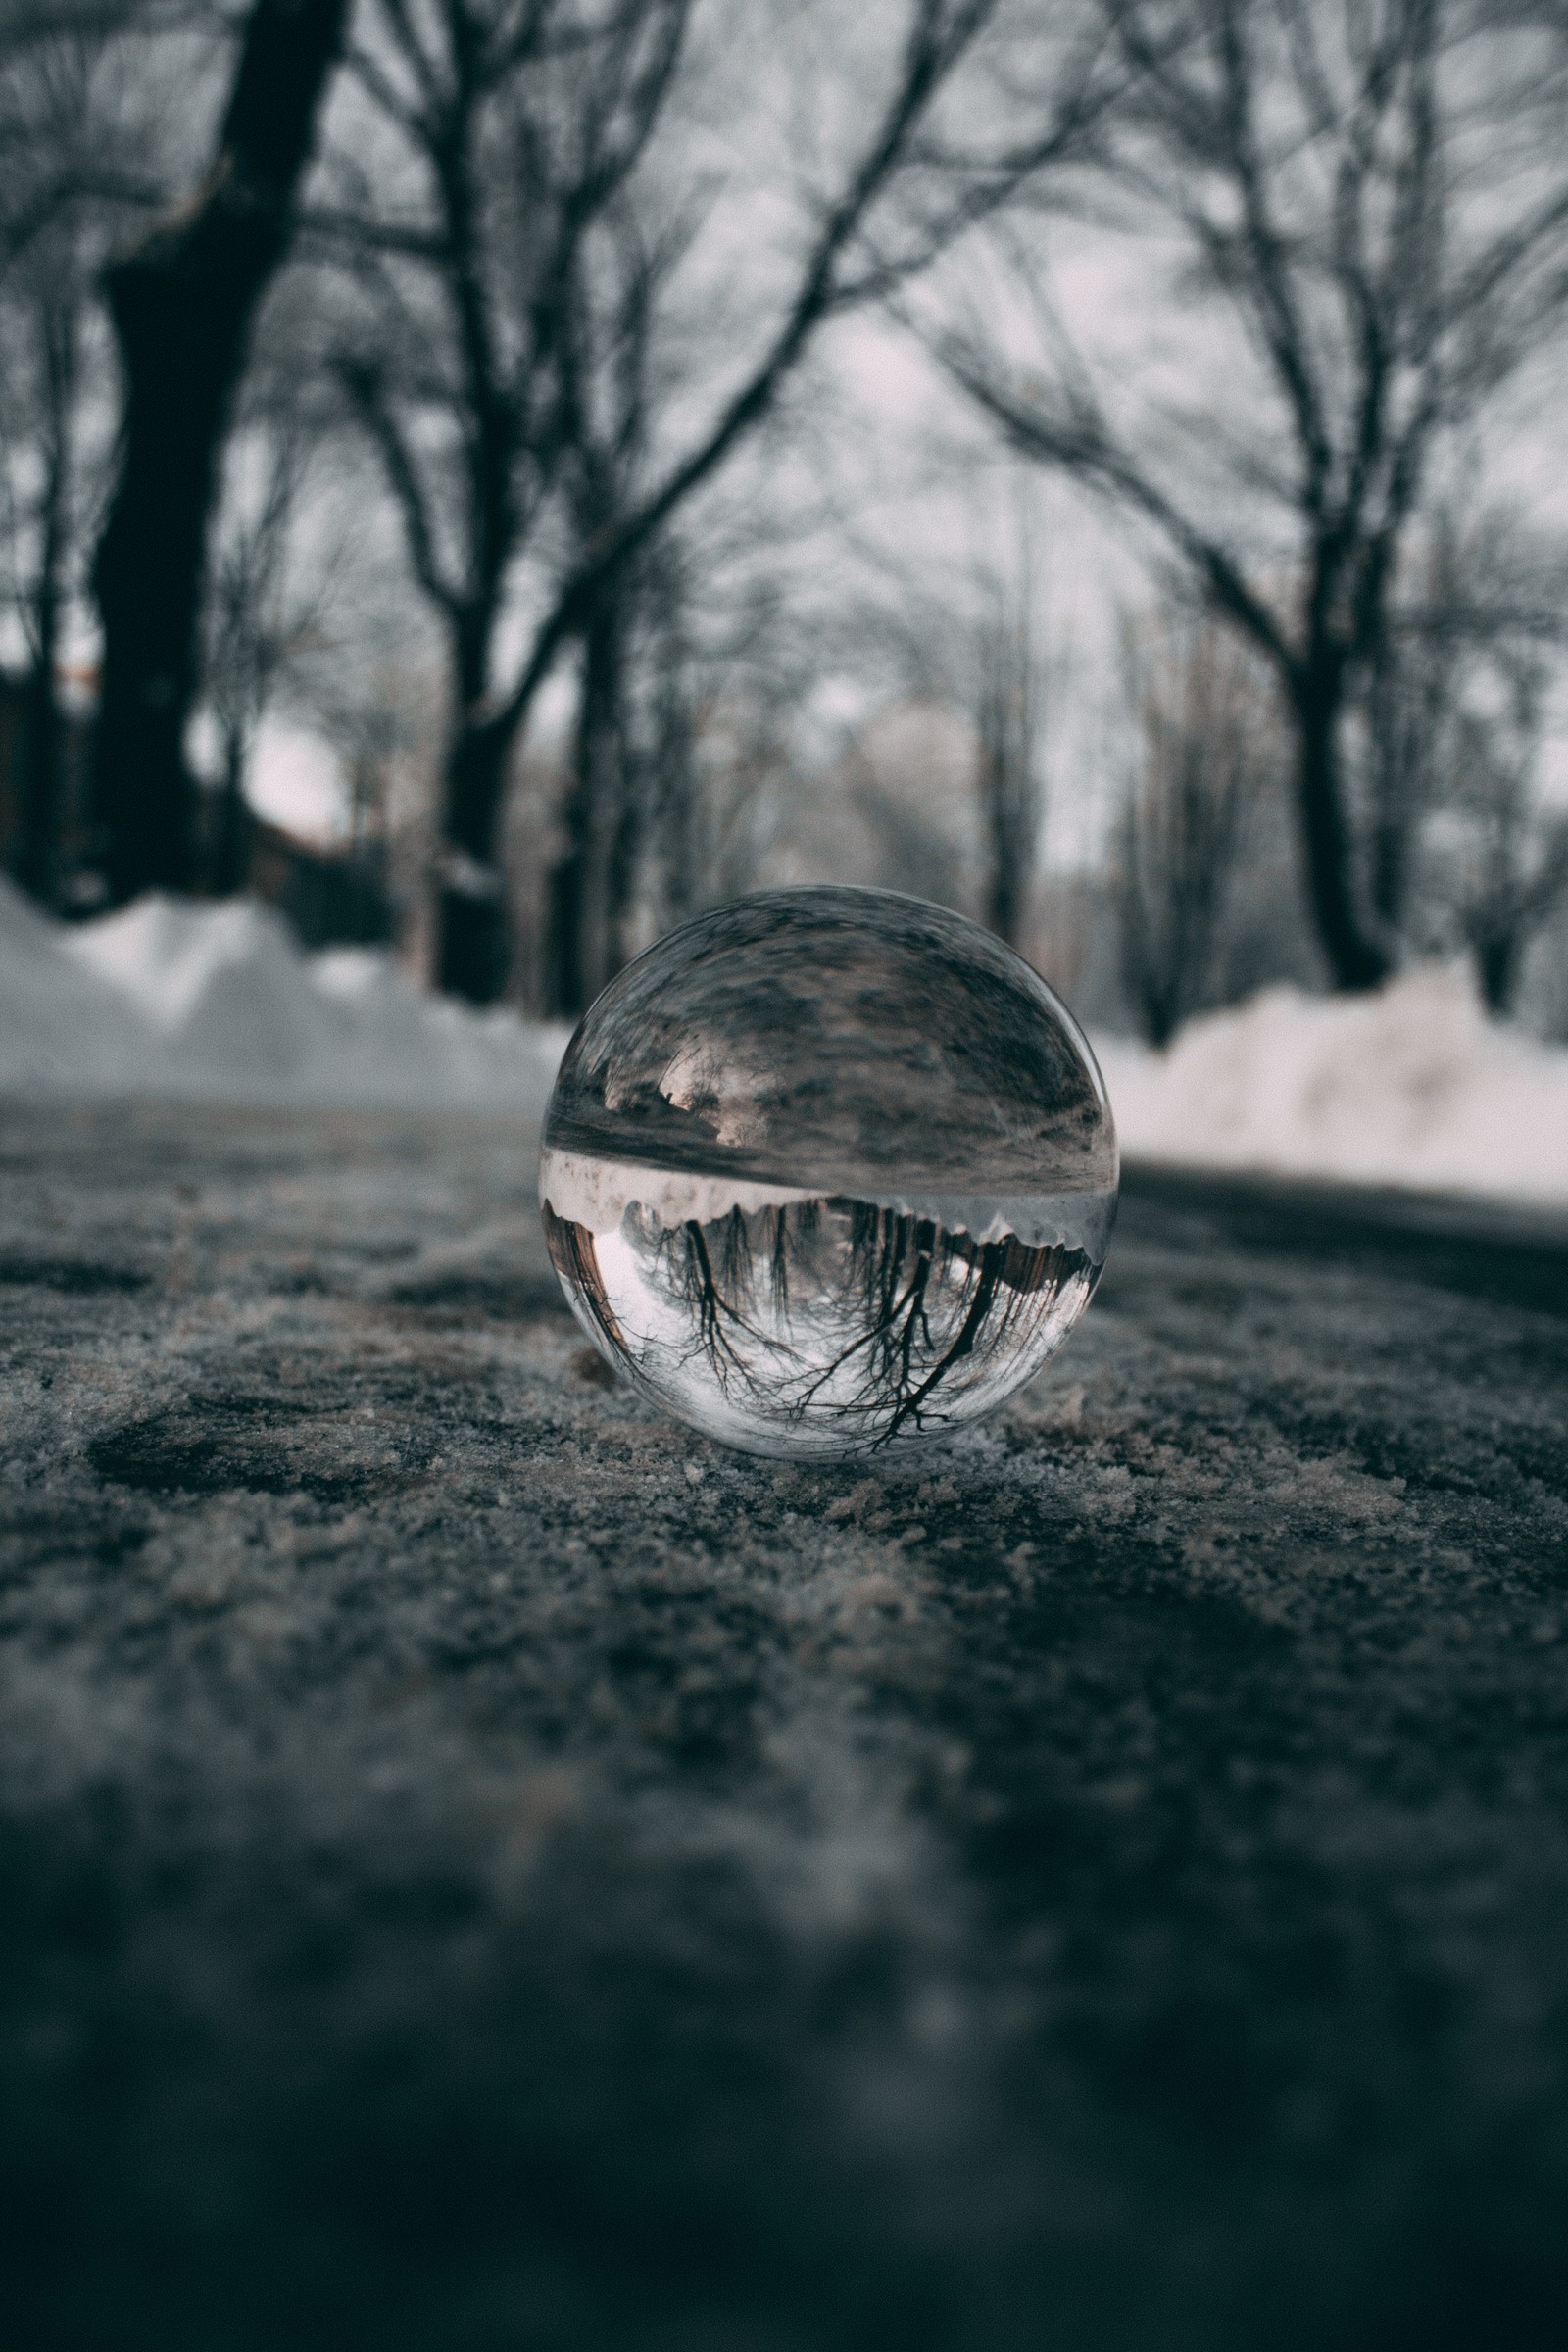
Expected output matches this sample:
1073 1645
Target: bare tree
729 673
969 644
50 320
468 384
899 809
606 369
1507 862
74 150
1409 718
1009 720
182 303
366 681
523 123
1452 705
263 618
1375 197
672 784
28 24
1202 723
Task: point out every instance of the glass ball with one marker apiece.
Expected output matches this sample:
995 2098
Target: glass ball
828 1171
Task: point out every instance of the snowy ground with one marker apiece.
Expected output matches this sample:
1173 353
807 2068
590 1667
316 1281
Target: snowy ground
480 1868
1413 1088
216 1003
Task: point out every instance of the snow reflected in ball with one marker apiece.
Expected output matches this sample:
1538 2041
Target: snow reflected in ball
828 1170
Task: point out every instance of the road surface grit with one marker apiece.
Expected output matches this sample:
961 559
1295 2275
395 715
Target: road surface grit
481 1869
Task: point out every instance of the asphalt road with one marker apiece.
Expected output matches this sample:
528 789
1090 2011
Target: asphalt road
482 1870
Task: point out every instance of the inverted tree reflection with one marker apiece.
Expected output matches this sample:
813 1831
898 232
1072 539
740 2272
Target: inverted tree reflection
864 1315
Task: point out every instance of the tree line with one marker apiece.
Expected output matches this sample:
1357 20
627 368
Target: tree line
496 263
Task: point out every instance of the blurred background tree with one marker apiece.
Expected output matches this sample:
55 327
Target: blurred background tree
1206 734
1365 208
182 299
514 365
79 121
510 410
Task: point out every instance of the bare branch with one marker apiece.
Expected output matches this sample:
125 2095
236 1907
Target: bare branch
936 43
367 395
1080 444
339 229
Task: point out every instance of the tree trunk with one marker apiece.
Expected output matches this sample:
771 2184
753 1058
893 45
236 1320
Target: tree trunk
235 830
1002 892
1398 754
677 847
675 842
1159 1019
1390 844
1147 973
1355 961
1497 968
37 858
182 307
474 936
1003 917
624 863
675 818
581 954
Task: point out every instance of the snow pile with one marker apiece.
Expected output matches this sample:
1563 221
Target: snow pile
217 1004
60 1025
1413 1087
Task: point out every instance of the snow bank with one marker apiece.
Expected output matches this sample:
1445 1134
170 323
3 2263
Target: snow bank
1413 1087
60 1025
217 1004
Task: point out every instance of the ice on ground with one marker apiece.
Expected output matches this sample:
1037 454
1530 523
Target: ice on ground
1413 1087
218 1003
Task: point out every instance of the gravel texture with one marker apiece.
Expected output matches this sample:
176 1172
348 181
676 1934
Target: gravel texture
481 1869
